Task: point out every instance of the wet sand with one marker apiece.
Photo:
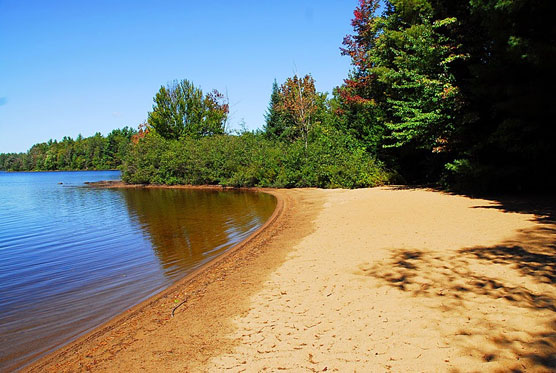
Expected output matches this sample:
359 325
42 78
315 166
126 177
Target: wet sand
383 279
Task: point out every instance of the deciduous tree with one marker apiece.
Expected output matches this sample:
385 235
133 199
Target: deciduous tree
299 105
181 109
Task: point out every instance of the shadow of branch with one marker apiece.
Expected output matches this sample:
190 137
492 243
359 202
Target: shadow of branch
455 278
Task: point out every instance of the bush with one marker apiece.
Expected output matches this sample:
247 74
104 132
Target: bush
330 160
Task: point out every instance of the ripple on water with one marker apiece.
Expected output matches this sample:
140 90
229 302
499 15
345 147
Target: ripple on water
72 257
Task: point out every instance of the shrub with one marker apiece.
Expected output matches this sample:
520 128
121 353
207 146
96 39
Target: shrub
330 160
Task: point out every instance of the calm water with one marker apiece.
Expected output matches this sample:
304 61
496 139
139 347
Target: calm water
73 257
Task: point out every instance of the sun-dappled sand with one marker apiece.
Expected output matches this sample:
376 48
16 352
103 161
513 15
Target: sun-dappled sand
383 279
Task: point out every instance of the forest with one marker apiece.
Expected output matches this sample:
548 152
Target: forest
454 94
96 152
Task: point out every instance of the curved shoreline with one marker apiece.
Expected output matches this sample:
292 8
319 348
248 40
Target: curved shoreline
382 279
53 358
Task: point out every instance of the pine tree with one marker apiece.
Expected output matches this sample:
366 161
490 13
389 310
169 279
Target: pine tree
274 127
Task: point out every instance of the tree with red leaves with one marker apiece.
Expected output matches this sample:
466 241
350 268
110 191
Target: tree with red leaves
357 46
299 104
401 97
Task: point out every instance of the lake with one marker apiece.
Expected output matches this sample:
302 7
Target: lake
73 257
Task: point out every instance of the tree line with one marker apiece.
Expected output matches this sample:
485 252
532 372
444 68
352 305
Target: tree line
451 93
96 152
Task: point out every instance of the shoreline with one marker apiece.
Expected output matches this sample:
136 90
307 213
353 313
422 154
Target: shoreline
381 279
49 359
118 184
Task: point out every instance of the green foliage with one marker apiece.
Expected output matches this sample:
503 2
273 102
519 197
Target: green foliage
275 123
250 159
295 108
422 98
454 90
181 109
301 146
402 96
91 153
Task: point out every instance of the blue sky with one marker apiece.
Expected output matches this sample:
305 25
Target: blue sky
70 67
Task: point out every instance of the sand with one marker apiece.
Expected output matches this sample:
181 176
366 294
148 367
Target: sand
383 279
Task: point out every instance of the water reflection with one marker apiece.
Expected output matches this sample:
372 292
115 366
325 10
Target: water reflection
188 227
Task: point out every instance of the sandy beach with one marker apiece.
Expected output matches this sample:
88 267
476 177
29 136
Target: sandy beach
369 280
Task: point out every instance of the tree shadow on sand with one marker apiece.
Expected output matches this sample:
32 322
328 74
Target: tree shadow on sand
517 278
543 206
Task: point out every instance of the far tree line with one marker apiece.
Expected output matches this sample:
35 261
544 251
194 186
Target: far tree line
96 152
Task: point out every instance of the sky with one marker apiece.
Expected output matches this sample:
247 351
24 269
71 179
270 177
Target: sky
81 67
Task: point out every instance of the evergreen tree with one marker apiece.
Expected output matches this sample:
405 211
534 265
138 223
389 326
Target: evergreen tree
274 126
